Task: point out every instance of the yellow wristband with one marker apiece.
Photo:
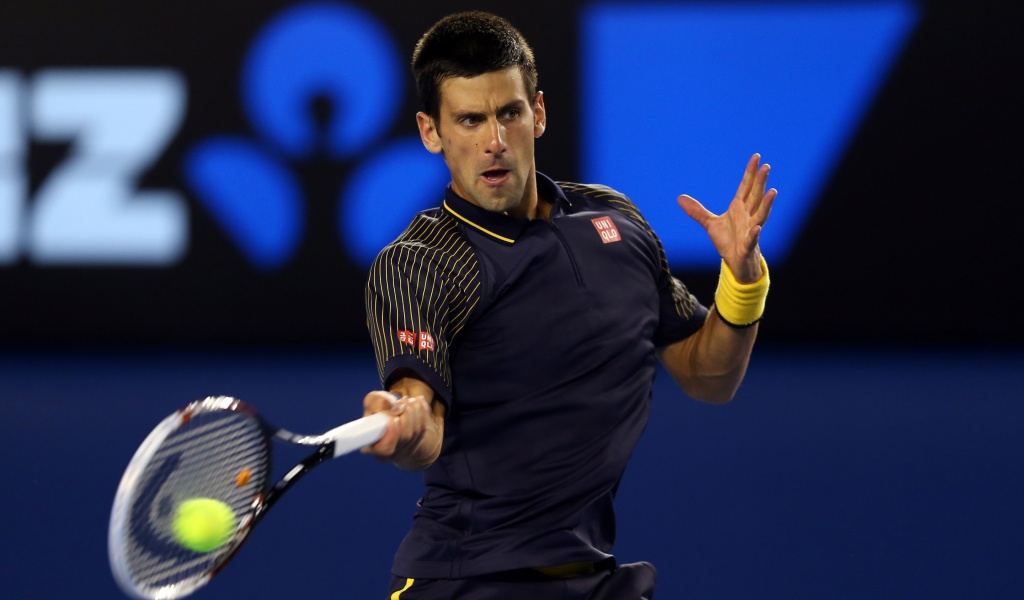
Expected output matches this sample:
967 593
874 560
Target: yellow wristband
741 304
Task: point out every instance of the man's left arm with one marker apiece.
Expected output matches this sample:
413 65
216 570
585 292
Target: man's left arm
710 364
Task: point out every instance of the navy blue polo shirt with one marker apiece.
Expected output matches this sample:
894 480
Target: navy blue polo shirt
539 336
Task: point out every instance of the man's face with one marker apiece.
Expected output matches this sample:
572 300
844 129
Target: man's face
486 131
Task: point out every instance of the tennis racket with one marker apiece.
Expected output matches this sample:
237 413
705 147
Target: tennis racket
216 448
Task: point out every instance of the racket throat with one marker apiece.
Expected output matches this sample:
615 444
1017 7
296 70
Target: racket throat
322 453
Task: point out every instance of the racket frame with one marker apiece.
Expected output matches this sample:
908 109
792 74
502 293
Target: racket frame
331 444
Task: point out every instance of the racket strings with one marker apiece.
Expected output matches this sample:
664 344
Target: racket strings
221 454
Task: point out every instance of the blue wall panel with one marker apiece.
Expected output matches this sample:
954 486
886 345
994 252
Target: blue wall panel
832 475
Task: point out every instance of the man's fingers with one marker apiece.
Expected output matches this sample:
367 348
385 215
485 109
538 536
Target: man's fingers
378 401
764 207
407 426
756 193
753 237
413 420
749 173
695 210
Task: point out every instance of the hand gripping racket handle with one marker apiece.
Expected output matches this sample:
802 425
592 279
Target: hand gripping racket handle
356 434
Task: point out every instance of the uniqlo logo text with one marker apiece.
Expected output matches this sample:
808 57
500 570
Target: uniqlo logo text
407 337
422 340
606 229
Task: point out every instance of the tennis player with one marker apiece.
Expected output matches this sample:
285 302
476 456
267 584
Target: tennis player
520 322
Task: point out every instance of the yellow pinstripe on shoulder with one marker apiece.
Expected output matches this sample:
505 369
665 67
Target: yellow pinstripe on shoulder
426 281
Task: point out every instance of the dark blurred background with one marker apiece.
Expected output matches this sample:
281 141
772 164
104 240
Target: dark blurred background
190 193
907 237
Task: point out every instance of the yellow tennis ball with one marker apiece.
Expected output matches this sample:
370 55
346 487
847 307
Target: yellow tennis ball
203 524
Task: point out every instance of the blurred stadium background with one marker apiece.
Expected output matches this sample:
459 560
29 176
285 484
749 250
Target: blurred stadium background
190 192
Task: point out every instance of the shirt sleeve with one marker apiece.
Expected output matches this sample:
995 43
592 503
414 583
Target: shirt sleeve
681 313
420 292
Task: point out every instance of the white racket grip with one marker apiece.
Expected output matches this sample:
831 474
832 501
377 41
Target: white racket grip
361 432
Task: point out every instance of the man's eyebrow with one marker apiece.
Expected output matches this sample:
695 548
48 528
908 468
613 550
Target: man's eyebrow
479 115
515 104
467 114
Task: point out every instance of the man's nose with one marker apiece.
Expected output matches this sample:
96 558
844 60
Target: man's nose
495 137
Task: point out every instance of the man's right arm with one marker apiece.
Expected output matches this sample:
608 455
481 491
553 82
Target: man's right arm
413 439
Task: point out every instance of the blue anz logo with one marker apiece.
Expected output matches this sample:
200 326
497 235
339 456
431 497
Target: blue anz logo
316 51
90 210
674 98
677 96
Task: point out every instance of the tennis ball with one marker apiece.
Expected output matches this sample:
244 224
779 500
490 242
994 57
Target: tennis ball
203 524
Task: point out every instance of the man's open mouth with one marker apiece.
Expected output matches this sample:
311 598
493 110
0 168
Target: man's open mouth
496 176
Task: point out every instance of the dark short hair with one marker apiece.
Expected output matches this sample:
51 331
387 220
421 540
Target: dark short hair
468 44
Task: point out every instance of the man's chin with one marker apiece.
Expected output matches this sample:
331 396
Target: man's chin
498 200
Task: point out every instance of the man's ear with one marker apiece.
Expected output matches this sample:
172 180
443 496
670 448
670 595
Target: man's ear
429 134
540 115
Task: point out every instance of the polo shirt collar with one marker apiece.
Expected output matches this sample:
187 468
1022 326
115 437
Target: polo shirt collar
497 226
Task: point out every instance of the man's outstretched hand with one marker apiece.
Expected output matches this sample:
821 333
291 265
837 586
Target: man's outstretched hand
736 232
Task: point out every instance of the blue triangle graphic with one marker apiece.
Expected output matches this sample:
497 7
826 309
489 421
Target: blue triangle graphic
676 97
